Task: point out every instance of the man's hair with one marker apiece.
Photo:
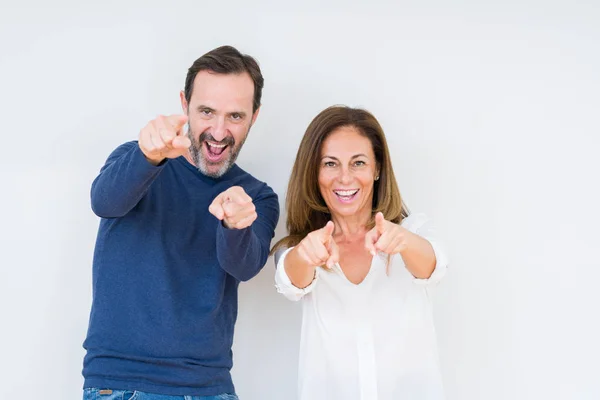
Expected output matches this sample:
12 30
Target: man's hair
226 60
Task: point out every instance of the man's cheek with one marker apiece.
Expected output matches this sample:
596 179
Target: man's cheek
198 127
239 133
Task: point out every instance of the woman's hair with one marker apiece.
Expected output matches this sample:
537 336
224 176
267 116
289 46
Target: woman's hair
306 209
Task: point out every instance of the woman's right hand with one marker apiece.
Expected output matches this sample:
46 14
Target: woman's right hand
318 248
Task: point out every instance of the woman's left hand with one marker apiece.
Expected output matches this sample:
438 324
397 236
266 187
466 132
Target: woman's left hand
386 237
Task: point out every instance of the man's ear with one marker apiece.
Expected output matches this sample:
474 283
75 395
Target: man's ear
255 115
184 103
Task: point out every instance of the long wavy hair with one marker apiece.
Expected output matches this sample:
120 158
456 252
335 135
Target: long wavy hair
306 209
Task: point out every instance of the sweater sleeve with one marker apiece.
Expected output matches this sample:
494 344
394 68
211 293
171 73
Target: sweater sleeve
123 181
243 252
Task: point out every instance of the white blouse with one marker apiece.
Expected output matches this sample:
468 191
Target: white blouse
371 341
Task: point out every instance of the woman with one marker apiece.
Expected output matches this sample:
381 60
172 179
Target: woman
361 266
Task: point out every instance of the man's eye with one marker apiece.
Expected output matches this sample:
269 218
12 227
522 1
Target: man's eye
236 116
206 111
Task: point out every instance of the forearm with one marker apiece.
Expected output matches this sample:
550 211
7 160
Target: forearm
300 273
418 256
122 182
241 253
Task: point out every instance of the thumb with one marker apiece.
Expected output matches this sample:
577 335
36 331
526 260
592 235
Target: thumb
177 121
328 231
217 211
216 207
379 222
181 140
370 239
334 254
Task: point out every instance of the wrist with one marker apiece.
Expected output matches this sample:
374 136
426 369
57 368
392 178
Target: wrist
407 242
300 262
156 161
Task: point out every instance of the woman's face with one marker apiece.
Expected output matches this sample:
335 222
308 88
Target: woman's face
347 172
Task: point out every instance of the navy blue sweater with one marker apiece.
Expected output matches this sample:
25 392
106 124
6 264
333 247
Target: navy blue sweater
166 275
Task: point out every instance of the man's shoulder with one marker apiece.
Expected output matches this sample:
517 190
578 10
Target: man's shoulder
123 148
238 173
127 145
251 184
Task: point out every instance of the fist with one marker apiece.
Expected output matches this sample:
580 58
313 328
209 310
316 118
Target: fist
163 137
386 236
234 207
318 247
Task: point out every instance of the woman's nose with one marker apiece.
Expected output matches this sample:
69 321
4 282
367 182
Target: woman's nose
345 176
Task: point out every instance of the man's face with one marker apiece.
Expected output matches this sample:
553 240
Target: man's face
219 119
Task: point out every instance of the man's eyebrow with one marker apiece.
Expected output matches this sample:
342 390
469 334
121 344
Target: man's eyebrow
241 113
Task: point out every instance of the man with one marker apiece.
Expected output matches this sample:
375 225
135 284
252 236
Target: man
181 226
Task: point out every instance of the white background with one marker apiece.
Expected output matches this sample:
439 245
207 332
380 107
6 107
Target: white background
492 115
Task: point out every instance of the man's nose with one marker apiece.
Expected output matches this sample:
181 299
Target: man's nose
219 129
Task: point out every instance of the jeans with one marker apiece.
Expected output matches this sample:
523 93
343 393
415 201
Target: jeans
107 394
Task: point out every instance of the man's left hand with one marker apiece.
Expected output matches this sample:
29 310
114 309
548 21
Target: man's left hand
234 207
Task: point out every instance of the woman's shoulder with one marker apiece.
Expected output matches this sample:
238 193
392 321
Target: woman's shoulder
414 221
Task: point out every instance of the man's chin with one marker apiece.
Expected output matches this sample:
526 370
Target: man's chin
214 170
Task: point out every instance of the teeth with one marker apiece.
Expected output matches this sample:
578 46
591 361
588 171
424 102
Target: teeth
346 192
218 146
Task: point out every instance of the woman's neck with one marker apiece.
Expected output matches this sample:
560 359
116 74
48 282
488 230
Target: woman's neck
351 227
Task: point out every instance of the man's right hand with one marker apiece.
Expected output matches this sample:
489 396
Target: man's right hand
318 248
163 137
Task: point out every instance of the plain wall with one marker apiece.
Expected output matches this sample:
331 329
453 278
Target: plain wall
491 112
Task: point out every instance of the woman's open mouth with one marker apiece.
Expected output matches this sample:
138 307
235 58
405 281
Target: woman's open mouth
346 196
